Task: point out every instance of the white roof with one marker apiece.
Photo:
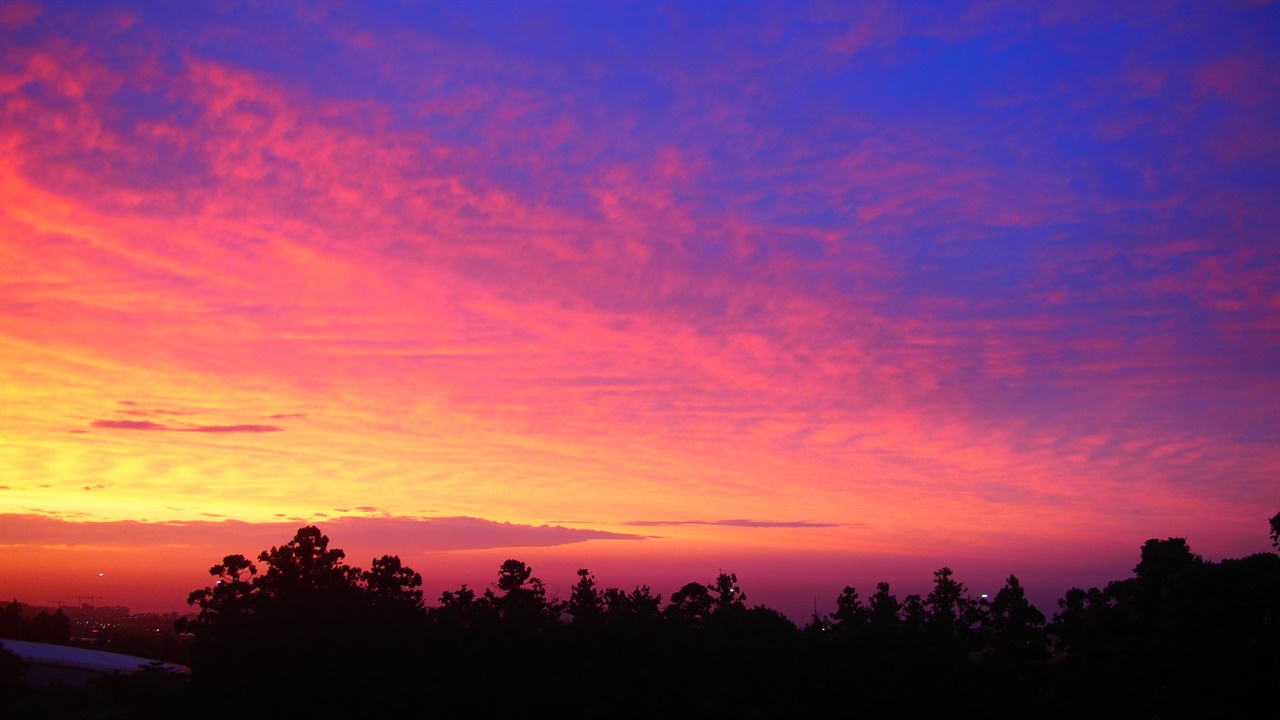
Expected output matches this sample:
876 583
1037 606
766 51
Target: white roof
62 656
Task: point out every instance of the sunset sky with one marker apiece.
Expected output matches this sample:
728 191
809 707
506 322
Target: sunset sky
820 294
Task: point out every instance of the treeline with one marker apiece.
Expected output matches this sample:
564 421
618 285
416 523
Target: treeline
42 627
304 632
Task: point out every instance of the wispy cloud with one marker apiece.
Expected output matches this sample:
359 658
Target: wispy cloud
793 524
151 426
232 428
129 425
394 534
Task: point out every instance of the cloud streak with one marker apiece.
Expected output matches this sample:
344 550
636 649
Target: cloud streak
147 425
792 524
394 534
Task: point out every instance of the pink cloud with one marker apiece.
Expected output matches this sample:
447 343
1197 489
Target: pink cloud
1238 79
874 24
630 299
19 13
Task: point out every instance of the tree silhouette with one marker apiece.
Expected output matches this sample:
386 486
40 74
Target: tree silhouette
513 575
231 594
819 627
1275 531
303 566
691 605
392 586
461 611
638 609
914 613
46 628
524 600
1013 628
851 616
885 608
950 615
728 600
1163 558
43 627
586 605
1135 643
304 621
301 629
12 624
764 624
948 608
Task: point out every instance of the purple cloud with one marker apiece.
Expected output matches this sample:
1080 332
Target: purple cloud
151 426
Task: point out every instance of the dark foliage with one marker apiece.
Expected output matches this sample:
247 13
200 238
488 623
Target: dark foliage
311 635
43 628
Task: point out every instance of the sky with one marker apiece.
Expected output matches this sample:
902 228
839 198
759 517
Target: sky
819 294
